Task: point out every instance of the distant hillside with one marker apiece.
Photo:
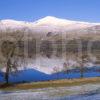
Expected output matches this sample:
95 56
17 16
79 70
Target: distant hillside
32 75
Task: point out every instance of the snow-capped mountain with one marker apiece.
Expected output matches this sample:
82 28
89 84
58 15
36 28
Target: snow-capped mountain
48 23
49 20
41 27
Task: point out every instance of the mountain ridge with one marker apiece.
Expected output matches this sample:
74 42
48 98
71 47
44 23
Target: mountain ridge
48 20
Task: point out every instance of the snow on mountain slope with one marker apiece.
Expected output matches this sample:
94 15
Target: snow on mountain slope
47 23
57 25
49 20
14 25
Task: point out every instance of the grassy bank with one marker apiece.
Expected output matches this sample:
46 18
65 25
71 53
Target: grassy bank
46 84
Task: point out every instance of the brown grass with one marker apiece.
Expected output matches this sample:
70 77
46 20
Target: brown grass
55 83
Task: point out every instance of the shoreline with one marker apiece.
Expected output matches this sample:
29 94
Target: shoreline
51 83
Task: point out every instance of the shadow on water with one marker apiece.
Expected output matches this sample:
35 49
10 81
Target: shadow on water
91 95
29 95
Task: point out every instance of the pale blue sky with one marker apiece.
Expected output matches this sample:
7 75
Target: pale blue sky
30 10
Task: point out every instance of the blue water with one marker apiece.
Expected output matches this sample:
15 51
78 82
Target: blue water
30 75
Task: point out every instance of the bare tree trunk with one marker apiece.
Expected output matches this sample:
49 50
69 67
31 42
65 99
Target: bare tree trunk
7 71
7 75
9 57
82 69
82 72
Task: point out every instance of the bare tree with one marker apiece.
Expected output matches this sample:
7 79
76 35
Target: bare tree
65 67
82 61
9 51
56 71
